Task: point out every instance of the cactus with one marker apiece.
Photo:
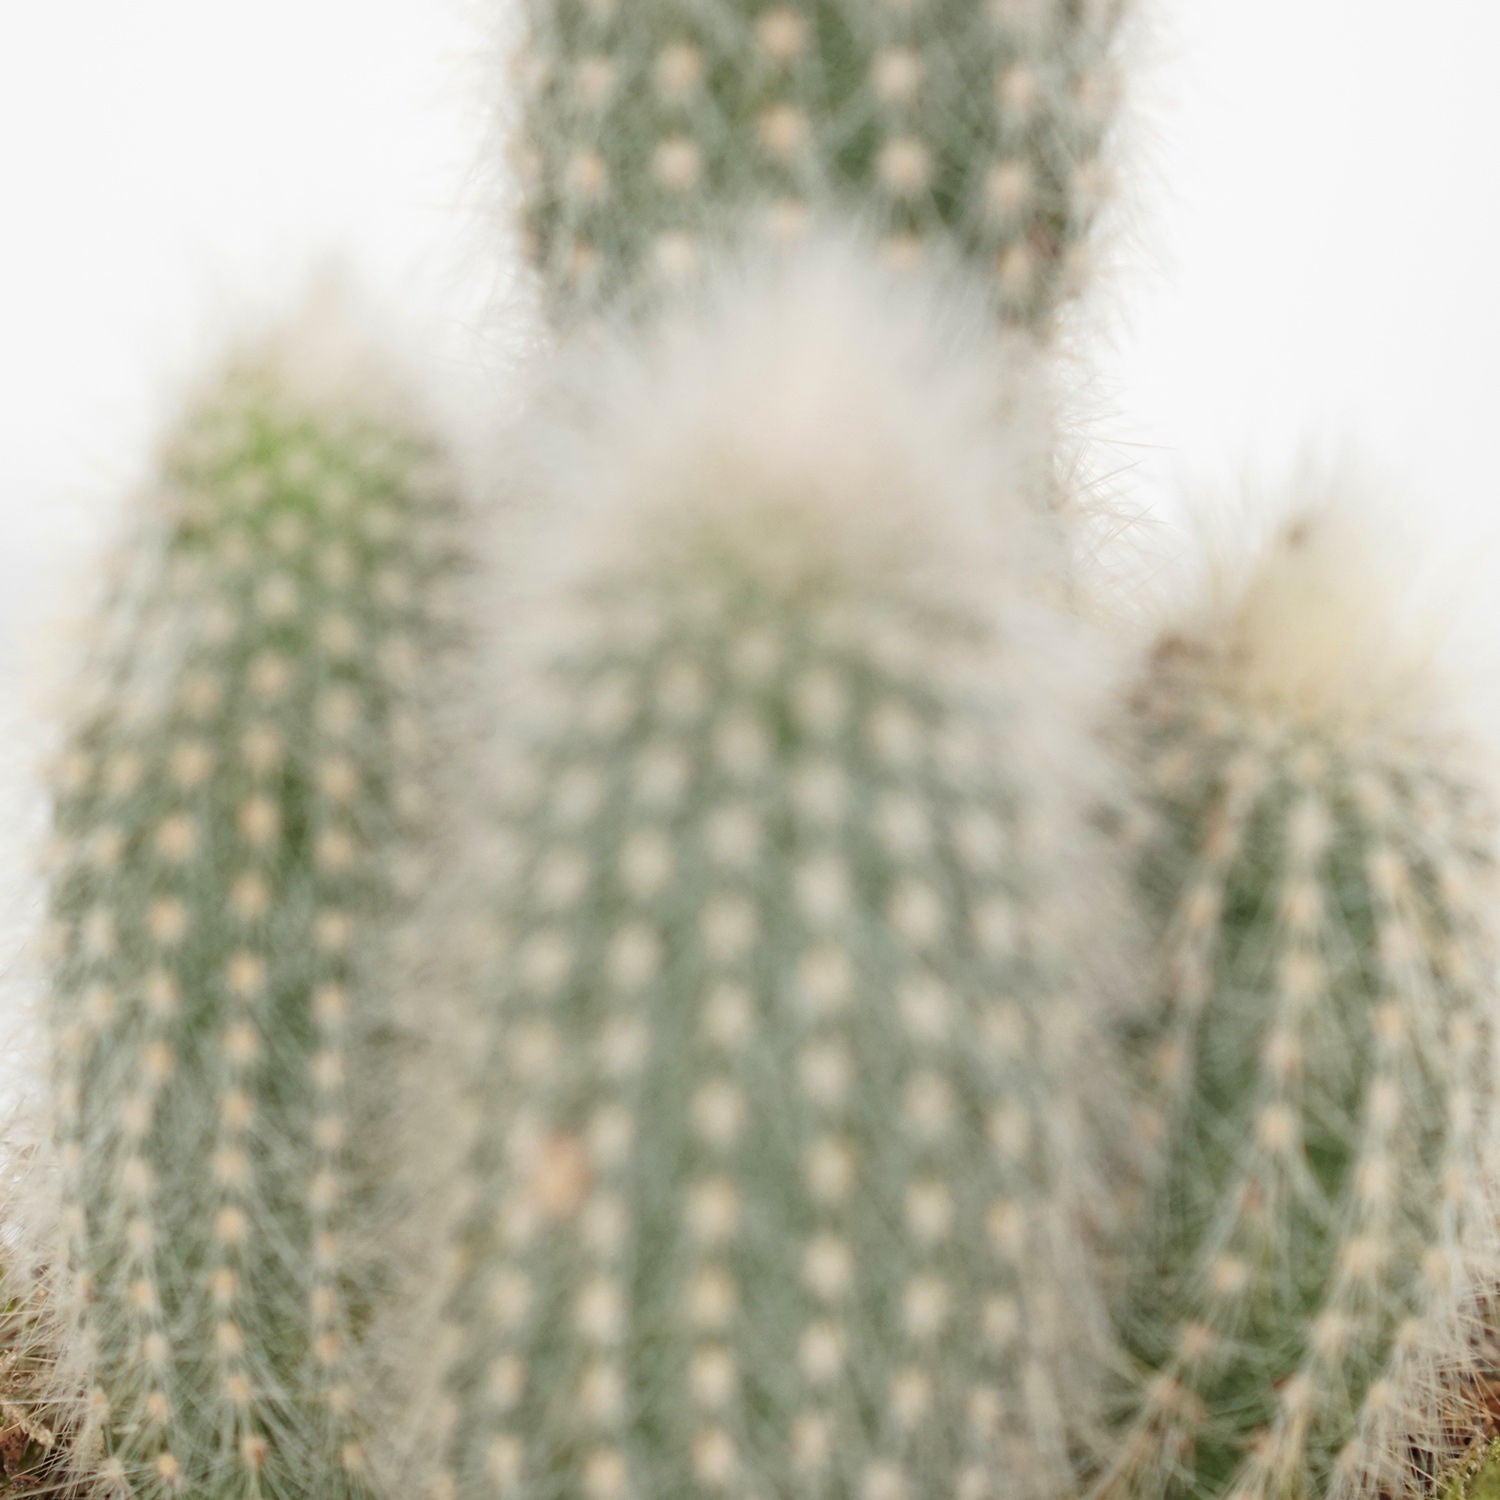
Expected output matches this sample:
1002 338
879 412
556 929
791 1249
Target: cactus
32 1448
779 1182
650 127
1320 1247
226 811
1478 1478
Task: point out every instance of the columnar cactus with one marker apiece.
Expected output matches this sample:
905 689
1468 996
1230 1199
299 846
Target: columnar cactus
780 1180
649 127
1321 1238
226 812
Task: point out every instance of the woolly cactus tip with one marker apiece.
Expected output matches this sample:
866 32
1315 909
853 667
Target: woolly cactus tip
1322 624
884 424
336 351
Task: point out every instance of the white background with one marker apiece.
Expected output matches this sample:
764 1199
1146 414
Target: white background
1312 255
1312 262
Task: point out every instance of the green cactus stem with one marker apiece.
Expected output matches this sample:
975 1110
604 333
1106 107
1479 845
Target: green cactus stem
226 813
650 128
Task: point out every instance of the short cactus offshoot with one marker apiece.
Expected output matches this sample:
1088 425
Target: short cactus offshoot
1321 1241
650 127
782 1183
225 814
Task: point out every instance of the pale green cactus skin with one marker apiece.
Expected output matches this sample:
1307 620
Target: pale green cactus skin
225 817
650 128
780 1182
1320 1240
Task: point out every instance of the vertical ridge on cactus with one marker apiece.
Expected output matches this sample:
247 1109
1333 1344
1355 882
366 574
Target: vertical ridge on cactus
650 128
779 1178
228 814
1320 1246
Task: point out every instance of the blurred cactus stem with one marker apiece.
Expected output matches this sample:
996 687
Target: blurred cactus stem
1320 1249
971 129
780 1180
229 811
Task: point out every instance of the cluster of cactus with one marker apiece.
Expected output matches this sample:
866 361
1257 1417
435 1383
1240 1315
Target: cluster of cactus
875 1040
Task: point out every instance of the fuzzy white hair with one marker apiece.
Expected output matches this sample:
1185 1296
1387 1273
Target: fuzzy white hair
1325 613
828 422
881 418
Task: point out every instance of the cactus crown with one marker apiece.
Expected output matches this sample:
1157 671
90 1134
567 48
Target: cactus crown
650 128
225 813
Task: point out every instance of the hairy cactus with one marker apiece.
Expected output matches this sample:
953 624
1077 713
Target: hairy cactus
649 127
779 1180
1321 1242
226 811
